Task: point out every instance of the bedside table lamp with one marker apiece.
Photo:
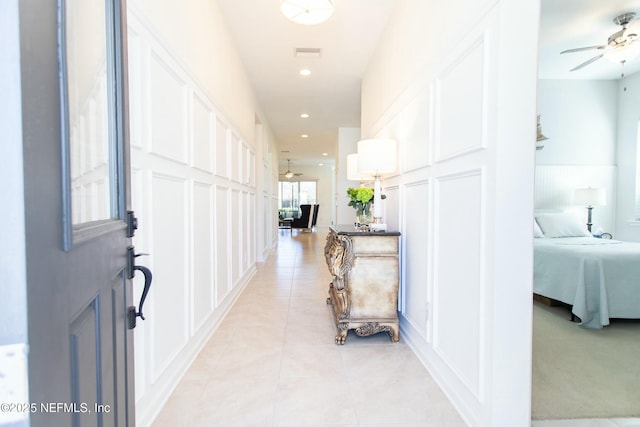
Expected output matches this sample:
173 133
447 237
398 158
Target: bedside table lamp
377 157
590 197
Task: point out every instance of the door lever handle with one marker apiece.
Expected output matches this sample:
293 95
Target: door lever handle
132 313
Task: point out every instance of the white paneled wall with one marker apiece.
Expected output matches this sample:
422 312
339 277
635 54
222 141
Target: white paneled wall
458 247
416 255
463 166
193 190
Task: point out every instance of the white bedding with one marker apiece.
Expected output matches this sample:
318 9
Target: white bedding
600 278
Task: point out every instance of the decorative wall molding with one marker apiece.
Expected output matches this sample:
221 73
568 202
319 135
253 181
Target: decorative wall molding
459 275
461 99
445 308
193 182
417 253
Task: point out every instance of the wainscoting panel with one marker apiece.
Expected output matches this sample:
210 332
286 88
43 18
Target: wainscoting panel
416 253
135 88
236 232
248 249
460 104
236 158
391 204
223 234
202 156
458 275
415 126
222 148
168 99
142 243
203 272
171 274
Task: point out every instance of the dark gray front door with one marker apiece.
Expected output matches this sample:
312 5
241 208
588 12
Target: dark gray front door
76 163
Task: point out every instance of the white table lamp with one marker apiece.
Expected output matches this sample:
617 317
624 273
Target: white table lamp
590 197
375 158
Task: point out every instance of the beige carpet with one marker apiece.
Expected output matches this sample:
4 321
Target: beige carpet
584 373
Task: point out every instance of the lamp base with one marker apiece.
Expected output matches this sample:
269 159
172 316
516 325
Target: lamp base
377 227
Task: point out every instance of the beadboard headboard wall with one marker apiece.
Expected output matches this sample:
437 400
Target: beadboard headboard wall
555 186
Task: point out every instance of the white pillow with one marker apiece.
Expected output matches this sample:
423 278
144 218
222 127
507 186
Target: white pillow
564 224
537 232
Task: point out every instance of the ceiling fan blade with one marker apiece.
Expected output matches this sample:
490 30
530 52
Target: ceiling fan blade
585 63
581 49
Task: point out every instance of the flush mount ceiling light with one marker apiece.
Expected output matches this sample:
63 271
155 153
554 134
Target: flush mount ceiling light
307 12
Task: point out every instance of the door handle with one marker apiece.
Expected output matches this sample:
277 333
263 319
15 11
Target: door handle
132 313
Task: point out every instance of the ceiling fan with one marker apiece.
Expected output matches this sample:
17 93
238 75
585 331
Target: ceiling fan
621 46
288 174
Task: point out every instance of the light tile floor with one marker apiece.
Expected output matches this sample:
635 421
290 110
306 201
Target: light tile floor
273 362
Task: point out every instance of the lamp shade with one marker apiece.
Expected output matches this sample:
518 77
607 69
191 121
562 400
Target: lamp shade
307 12
377 156
352 168
590 196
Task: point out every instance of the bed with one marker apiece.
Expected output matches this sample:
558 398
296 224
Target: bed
599 278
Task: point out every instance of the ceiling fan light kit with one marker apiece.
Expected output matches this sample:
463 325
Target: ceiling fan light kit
288 174
621 47
307 12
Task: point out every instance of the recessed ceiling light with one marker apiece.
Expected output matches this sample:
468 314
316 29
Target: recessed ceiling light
304 115
305 72
325 154
320 164
304 135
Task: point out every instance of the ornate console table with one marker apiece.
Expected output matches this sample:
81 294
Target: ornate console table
364 288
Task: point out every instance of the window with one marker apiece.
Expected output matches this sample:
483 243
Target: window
292 194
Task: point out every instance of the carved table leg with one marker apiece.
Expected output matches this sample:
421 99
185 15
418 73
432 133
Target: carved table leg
342 334
394 333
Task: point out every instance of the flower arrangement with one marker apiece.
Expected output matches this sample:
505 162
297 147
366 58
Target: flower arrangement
360 199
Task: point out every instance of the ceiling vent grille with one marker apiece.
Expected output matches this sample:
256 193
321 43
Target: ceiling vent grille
308 52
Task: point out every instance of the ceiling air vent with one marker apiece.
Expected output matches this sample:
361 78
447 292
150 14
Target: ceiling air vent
308 52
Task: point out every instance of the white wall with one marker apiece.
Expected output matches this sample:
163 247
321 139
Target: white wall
347 144
198 175
627 157
195 31
592 126
462 107
323 175
580 119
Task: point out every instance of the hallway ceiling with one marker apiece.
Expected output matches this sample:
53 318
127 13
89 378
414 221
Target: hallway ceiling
267 41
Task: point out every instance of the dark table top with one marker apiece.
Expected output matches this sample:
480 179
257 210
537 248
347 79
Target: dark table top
350 230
